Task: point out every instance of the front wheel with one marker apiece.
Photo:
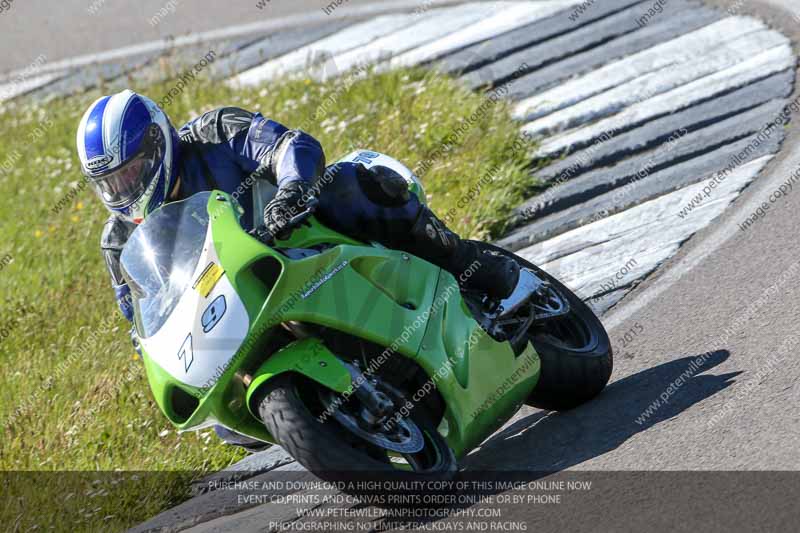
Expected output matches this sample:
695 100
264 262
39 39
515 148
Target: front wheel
574 349
295 411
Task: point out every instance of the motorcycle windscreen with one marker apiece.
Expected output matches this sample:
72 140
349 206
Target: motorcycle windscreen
161 256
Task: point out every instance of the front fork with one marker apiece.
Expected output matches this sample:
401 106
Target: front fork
373 418
377 404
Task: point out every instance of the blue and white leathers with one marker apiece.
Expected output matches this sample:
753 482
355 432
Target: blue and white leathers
226 148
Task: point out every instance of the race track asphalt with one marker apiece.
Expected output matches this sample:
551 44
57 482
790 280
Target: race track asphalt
65 29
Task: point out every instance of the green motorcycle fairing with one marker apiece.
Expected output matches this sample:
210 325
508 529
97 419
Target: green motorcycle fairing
384 296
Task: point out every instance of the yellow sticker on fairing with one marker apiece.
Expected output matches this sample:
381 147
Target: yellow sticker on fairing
208 279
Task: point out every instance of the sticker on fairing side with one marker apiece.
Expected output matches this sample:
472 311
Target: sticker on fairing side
324 279
213 313
208 279
186 353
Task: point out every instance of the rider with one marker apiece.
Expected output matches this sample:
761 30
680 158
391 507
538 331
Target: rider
136 160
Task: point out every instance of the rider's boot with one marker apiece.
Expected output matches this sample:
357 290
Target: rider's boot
492 274
526 287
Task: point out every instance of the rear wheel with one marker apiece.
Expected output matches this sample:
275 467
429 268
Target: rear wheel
574 349
335 445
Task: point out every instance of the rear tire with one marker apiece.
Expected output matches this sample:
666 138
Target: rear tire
570 374
329 450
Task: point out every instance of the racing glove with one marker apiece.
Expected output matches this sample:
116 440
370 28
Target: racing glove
123 294
291 199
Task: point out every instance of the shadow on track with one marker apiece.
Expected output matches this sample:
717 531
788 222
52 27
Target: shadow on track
549 442
545 443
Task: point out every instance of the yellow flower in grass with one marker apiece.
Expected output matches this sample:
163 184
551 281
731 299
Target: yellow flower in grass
38 233
75 218
79 206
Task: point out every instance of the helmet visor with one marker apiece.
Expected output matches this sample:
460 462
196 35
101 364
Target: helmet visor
125 184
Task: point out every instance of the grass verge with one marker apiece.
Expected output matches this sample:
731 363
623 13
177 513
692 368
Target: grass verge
73 397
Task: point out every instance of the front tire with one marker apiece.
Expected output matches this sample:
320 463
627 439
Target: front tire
575 350
292 415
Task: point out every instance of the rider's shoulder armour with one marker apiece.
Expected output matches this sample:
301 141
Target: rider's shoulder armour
217 126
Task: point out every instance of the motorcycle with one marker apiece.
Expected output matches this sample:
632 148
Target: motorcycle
351 356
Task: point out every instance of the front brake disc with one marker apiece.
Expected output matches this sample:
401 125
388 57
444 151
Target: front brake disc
405 436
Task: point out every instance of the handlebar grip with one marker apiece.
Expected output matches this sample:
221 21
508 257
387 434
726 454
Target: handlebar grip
302 216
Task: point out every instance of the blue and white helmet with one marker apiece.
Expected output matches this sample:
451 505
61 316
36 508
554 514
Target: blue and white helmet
128 151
